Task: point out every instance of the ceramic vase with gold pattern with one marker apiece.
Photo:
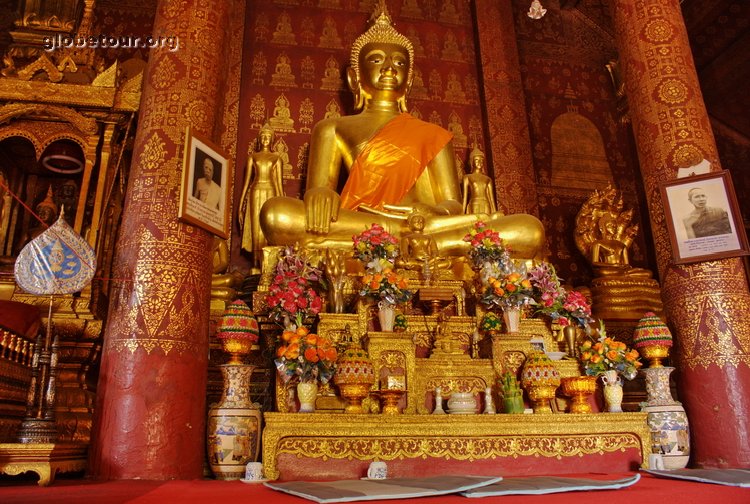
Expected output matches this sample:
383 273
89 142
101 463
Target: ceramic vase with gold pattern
670 434
233 427
307 394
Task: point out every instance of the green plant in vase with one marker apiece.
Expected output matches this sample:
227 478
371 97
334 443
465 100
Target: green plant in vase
512 394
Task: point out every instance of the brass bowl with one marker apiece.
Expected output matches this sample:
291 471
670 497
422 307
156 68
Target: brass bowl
540 396
579 388
354 393
654 354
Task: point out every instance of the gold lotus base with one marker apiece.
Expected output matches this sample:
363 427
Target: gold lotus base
540 396
579 388
45 459
654 354
330 438
354 393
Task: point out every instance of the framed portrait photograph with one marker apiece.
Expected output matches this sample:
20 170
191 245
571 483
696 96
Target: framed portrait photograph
206 181
703 218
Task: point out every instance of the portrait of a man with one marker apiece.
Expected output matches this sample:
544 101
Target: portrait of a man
207 187
705 220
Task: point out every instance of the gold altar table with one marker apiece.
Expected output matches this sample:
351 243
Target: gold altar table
335 446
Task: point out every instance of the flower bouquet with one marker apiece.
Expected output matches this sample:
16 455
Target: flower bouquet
575 308
486 246
509 291
386 285
374 244
305 356
606 354
292 295
547 291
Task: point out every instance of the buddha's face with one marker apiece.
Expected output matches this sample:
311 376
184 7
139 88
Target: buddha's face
265 138
383 69
478 163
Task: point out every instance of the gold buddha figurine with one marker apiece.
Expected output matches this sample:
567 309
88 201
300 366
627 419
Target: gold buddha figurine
396 164
419 251
604 233
224 284
477 186
264 169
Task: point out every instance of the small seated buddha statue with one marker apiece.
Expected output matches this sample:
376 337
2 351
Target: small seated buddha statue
395 165
419 251
604 233
224 284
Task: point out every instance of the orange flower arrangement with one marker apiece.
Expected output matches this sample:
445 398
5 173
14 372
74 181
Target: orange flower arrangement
514 289
304 355
607 354
386 285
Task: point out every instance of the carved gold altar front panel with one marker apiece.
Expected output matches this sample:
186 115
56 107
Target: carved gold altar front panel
457 437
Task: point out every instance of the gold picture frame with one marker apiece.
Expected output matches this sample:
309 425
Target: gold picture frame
703 218
204 199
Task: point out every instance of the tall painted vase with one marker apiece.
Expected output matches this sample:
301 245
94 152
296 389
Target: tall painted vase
233 427
670 435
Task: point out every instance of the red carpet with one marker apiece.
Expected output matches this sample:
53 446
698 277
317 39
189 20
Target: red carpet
69 491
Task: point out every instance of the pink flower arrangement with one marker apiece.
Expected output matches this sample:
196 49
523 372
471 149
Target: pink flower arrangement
375 243
575 306
486 245
292 294
548 293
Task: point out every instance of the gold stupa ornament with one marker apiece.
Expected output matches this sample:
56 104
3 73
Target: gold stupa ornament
652 339
540 378
354 376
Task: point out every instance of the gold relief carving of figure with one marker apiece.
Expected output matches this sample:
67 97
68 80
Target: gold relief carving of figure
257 111
260 65
413 36
479 195
282 117
283 33
436 119
475 129
332 76
330 38
262 181
410 9
394 165
451 52
455 127
333 111
454 92
282 75
448 13
418 90
282 149
306 112
432 46
307 32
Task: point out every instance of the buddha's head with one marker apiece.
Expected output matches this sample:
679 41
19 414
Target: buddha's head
477 160
47 208
266 135
381 63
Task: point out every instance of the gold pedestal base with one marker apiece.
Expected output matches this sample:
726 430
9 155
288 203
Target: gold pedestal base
540 396
354 393
579 388
654 354
45 459
390 398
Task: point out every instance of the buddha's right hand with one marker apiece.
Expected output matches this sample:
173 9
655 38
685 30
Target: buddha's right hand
321 208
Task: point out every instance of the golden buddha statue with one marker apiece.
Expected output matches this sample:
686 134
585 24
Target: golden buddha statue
224 285
264 169
396 165
604 233
419 251
479 196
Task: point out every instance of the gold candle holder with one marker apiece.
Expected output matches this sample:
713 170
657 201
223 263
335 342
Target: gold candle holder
390 398
354 393
540 396
236 348
579 388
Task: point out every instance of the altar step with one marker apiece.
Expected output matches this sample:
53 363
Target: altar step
338 446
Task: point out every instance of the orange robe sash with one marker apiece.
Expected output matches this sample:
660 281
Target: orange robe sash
391 162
